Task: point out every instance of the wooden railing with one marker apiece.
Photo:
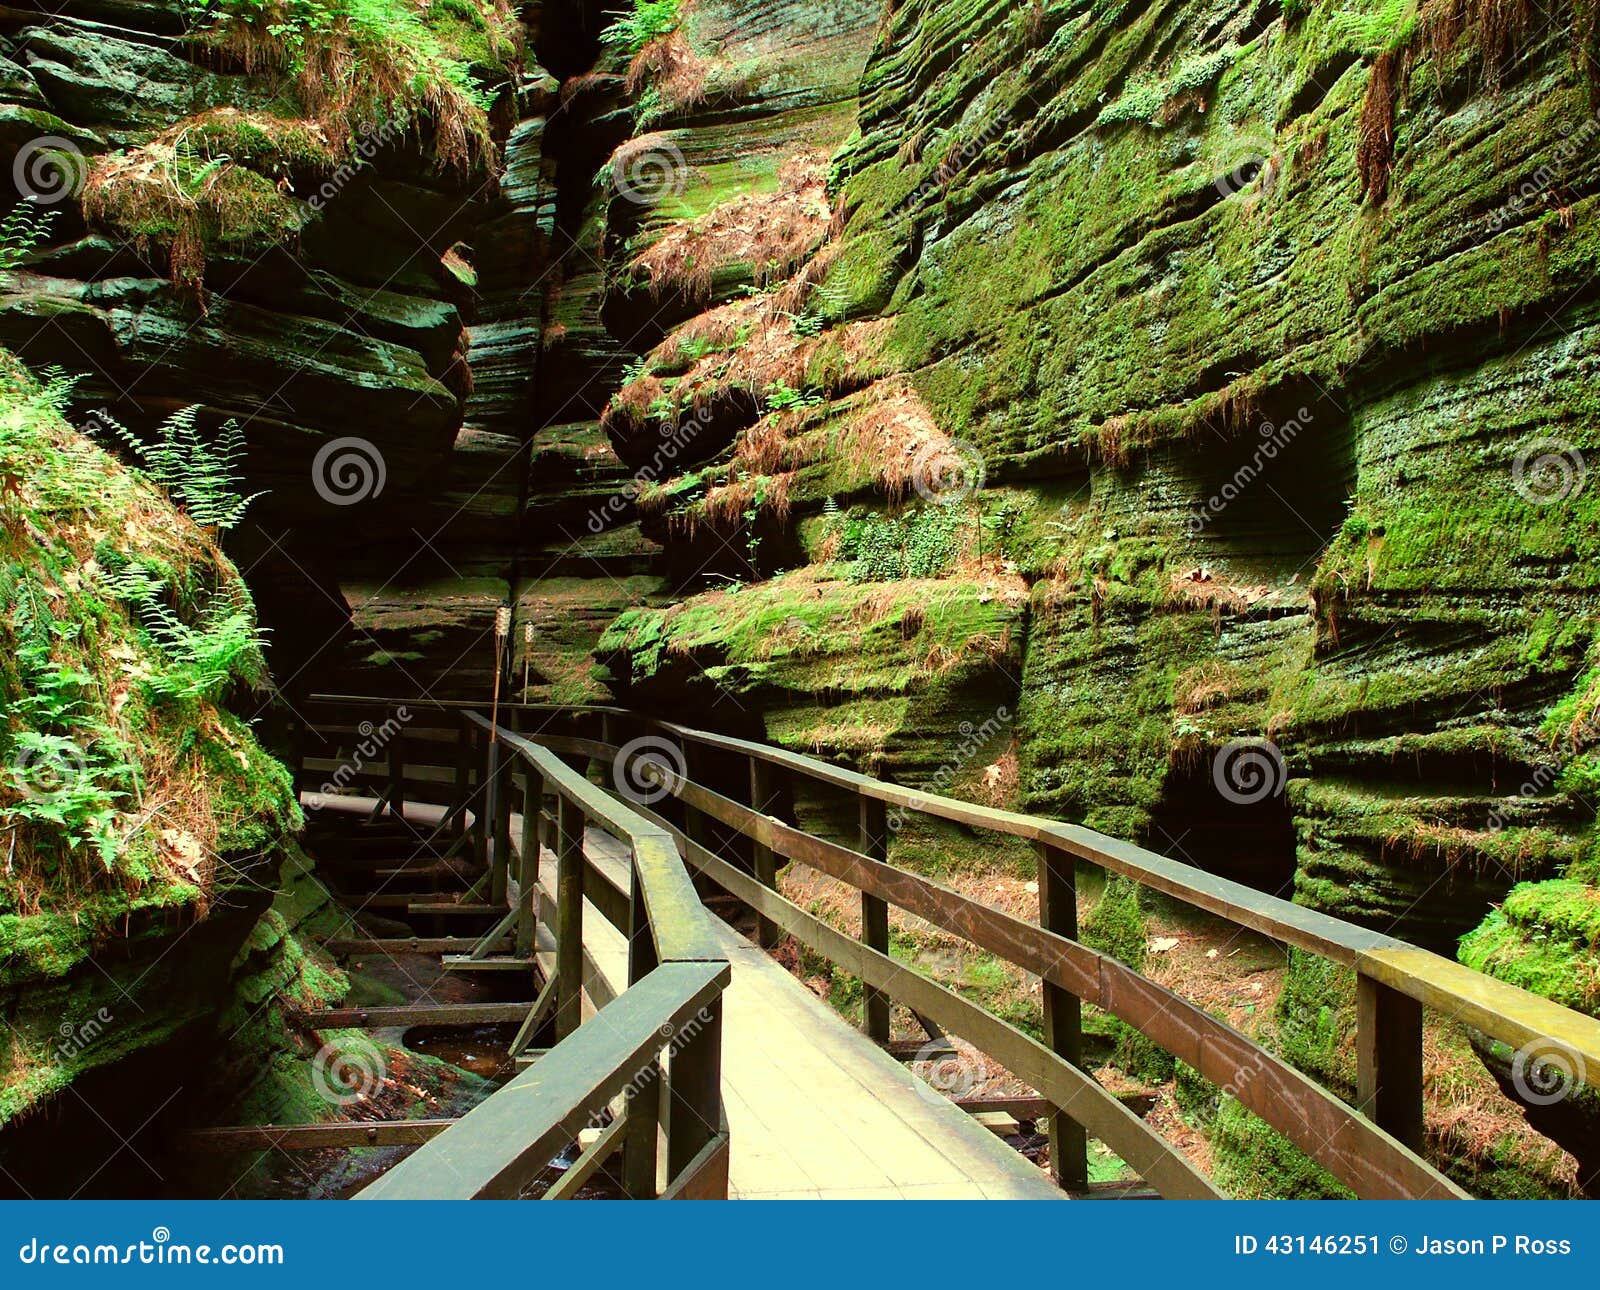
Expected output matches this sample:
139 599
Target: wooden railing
1372 1147
608 1077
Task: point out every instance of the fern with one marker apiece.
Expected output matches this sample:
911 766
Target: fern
648 20
22 229
203 661
200 476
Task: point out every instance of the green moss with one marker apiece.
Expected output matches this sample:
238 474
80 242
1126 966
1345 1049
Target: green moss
1315 1019
1253 1161
1117 924
1545 937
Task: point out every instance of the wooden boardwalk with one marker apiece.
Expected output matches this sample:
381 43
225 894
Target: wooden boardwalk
816 1110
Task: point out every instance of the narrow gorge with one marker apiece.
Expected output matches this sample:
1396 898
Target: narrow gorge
1167 416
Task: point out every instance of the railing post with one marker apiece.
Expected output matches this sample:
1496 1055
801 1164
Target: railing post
491 806
644 1093
569 918
504 763
694 1088
397 776
463 791
480 799
528 866
764 859
875 915
1063 1014
695 824
1389 1060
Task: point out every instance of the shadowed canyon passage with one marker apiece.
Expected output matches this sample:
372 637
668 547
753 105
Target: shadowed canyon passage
1047 403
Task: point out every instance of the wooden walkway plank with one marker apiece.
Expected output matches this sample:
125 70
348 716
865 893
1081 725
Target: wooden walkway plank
815 1108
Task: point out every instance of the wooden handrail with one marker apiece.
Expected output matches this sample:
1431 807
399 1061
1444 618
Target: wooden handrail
1395 980
673 1001
502 1144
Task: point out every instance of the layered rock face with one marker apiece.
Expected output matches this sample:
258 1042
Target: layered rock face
1268 336
350 290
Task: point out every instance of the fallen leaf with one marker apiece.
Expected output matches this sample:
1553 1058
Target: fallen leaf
1161 944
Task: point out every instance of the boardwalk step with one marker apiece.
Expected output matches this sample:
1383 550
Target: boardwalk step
421 1014
465 963
412 945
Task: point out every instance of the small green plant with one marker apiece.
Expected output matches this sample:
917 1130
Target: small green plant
200 476
782 397
203 660
922 544
66 767
646 21
23 228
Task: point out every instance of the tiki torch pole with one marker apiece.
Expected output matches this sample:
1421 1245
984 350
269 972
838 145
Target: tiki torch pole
502 630
527 656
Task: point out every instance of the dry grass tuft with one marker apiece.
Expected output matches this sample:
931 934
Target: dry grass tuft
200 183
356 72
890 433
771 232
670 65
